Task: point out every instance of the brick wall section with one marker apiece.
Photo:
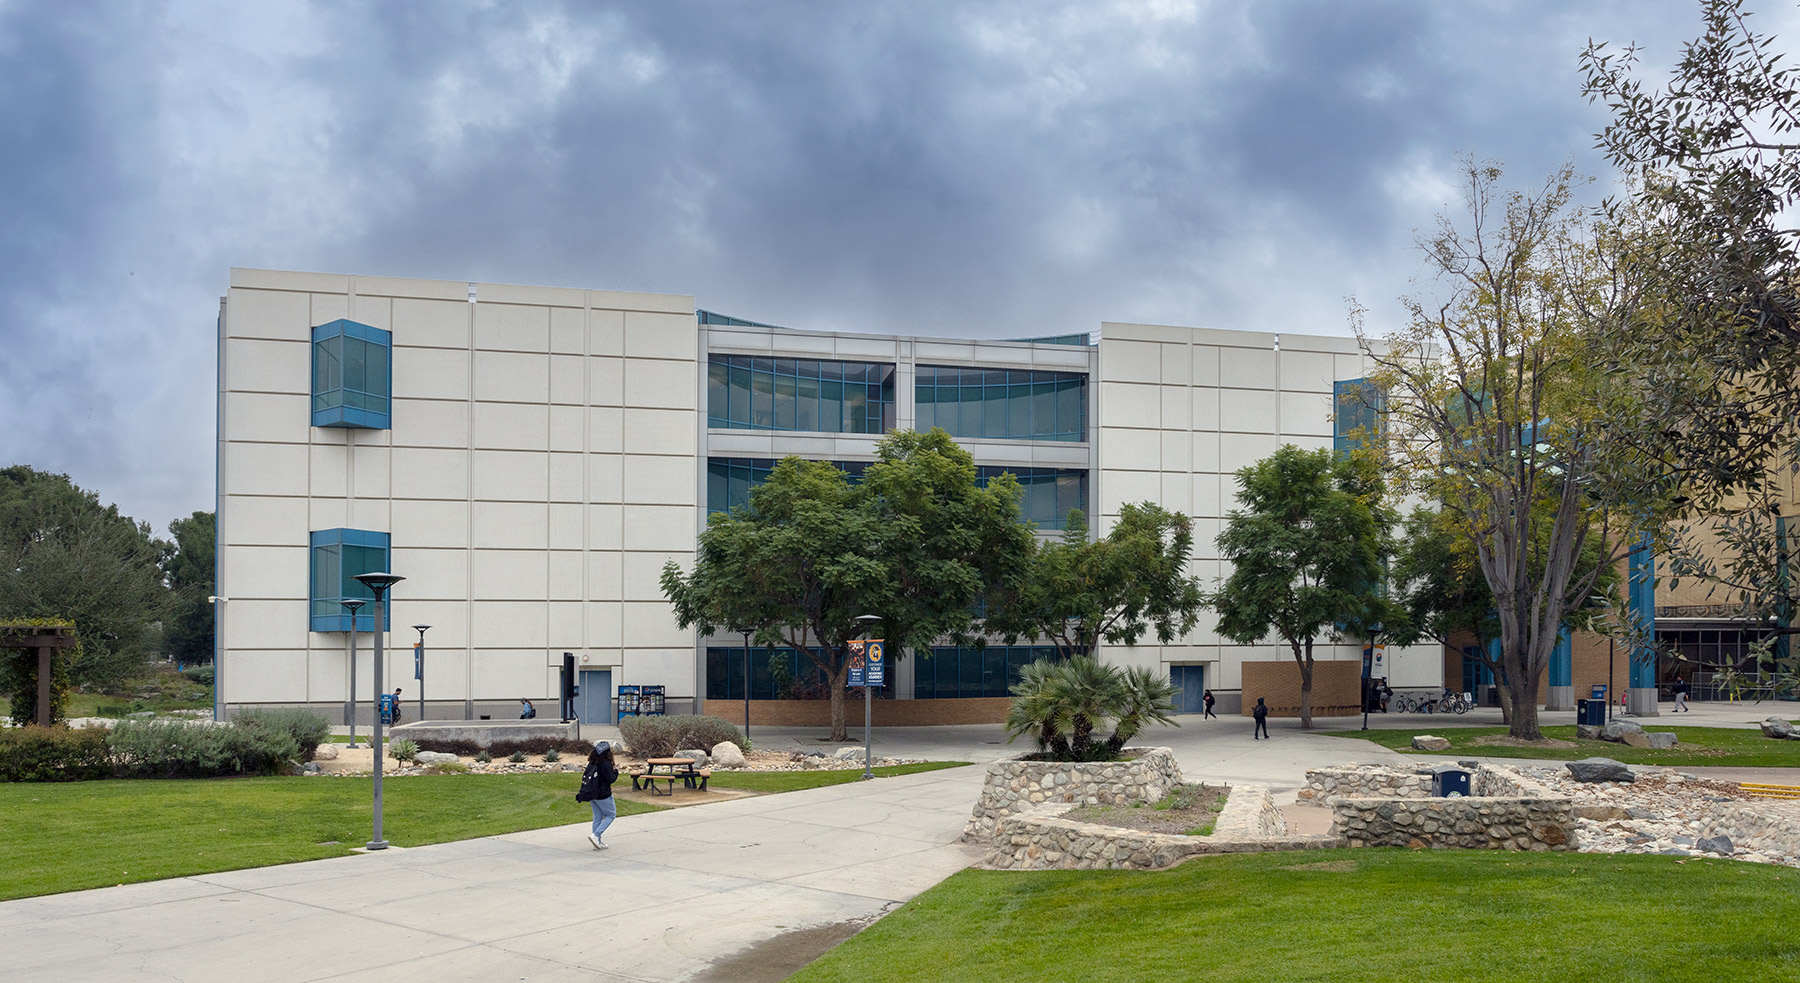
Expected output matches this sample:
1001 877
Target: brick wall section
1336 690
887 713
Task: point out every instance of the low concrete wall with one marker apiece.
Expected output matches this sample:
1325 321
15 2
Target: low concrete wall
1017 786
886 713
1041 839
485 732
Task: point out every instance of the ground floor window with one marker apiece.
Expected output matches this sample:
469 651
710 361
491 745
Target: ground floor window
775 674
1698 655
951 672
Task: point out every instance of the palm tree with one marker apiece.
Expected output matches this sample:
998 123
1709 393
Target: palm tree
1063 704
1149 698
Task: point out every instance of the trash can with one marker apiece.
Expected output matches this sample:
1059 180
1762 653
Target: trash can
1591 712
1448 780
1600 692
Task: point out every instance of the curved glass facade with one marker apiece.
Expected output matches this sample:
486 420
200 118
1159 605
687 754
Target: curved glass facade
1047 493
747 393
1010 404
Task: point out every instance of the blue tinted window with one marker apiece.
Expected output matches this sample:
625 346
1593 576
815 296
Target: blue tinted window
799 395
337 557
352 376
1011 404
1046 494
1356 416
949 672
730 479
776 673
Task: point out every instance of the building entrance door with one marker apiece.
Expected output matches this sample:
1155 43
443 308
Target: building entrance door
1192 682
594 703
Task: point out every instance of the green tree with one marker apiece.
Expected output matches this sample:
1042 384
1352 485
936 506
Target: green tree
912 544
64 555
1306 548
1074 593
188 570
1503 408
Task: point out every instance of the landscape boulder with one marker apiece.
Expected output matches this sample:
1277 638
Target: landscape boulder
728 755
1589 732
699 757
852 753
1599 770
436 758
1617 729
1430 742
1720 844
326 752
1636 738
1777 728
1662 740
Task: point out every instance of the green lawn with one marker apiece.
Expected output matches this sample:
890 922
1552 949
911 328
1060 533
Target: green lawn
1345 916
68 836
789 781
1723 747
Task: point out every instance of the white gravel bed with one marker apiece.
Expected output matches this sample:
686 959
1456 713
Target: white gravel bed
1662 812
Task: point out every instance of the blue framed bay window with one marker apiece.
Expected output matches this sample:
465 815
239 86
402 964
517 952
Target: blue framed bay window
337 556
352 376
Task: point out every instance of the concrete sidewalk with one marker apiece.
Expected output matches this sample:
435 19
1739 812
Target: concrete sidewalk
677 892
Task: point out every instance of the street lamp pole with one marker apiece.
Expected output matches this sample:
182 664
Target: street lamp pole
746 635
350 698
378 584
868 625
419 668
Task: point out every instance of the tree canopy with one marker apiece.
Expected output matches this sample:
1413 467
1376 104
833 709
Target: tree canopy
188 569
1306 545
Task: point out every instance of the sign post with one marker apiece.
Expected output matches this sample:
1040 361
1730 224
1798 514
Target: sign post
868 669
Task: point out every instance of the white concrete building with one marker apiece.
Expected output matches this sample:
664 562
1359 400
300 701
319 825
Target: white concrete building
530 457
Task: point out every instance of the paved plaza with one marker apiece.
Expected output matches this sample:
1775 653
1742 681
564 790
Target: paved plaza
745 889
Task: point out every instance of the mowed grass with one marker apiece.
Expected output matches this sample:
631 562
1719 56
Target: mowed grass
790 781
68 836
1344 916
1723 747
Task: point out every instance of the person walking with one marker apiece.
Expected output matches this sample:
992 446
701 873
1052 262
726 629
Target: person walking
1386 694
596 790
1207 698
1261 713
1681 694
396 704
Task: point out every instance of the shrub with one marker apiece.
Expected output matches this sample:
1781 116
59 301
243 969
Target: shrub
52 754
172 749
308 729
483 756
552 756
403 750
199 674
517 757
1063 705
659 737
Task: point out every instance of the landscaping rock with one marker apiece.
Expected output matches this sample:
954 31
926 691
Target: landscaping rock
728 755
852 753
310 766
1778 728
326 752
699 757
1600 812
1636 738
1662 740
1599 770
1715 844
1617 730
436 758
1589 732
1430 742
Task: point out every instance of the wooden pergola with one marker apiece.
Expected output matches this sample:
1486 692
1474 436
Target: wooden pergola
45 640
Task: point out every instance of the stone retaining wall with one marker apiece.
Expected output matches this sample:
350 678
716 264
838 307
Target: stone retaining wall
1040 839
1472 823
1364 781
1771 828
1015 786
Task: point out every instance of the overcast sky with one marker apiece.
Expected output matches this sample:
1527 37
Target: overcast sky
967 169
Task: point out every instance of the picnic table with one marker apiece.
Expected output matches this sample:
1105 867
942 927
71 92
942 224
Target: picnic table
667 770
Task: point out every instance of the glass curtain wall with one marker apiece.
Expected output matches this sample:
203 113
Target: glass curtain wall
951 672
746 393
1047 493
1009 404
729 479
775 674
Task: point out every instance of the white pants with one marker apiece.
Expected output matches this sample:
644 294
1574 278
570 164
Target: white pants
1681 701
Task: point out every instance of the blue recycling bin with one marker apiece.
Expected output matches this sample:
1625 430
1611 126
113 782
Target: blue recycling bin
1447 780
1600 692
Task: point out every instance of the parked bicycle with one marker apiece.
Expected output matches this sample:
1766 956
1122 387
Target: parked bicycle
1425 703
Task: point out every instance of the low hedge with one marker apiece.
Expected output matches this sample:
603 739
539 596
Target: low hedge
659 737
53 754
172 749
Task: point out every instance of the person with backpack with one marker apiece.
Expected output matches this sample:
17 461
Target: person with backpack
1681 694
596 790
1207 698
526 710
1261 713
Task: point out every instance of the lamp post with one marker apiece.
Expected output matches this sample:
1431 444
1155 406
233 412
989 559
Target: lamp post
419 667
746 634
378 584
350 698
868 625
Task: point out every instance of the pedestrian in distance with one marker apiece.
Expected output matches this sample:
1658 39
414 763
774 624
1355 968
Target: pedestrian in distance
1207 698
526 710
596 790
396 704
1681 695
1386 694
1261 713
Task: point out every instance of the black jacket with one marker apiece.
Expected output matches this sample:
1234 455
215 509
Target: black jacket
597 781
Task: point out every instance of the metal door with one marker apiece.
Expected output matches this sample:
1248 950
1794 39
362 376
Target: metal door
594 703
1192 682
